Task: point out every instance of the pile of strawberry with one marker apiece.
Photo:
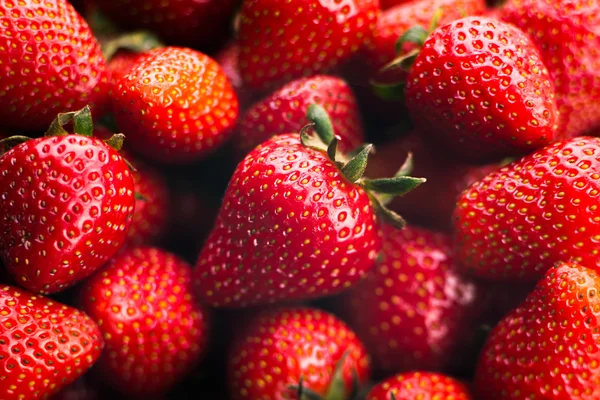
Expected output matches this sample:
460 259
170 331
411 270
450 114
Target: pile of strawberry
189 210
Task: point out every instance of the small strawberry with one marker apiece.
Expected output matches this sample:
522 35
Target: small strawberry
284 40
479 87
155 331
432 204
296 353
50 62
192 23
567 33
284 111
548 348
44 345
296 223
519 220
419 386
151 215
175 104
413 309
66 204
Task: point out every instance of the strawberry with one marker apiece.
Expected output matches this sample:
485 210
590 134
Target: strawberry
519 220
385 4
66 205
181 22
284 40
50 62
413 309
120 64
421 386
155 331
289 350
567 34
479 87
284 111
432 204
44 345
151 215
548 348
183 104
396 21
296 223
228 59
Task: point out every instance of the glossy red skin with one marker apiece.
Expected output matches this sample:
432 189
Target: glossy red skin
228 59
66 205
396 21
285 111
190 23
567 33
178 121
44 345
278 38
280 346
155 331
413 310
120 64
458 96
433 203
548 347
421 386
151 215
50 62
291 227
518 221
385 4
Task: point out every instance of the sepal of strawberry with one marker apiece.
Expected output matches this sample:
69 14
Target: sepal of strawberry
136 42
381 190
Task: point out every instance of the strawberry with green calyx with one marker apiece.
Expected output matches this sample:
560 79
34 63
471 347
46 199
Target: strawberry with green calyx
66 204
49 62
298 221
44 345
479 87
313 355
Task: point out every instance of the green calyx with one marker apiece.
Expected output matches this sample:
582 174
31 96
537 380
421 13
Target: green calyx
415 35
381 191
136 42
337 387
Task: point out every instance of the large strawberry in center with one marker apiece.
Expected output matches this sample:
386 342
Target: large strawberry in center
295 223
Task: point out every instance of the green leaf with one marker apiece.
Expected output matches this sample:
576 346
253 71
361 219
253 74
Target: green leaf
386 214
136 42
396 186
12 141
389 91
437 16
404 61
332 149
355 168
140 197
116 141
337 387
304 393
82 123
417 35
392 396
407 166
323 126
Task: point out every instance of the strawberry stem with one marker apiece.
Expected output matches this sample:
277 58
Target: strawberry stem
82 123
136 42
116 141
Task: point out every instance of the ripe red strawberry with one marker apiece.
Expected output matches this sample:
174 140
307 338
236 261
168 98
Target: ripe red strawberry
518 221
413 310
421 386
66 204
50 62
175 104
284 111
191 23
154 329
479 86
283 40
432 204
548 347
151 215
44 345
282 348
120 64
294 224
396 21
228 59
567 34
